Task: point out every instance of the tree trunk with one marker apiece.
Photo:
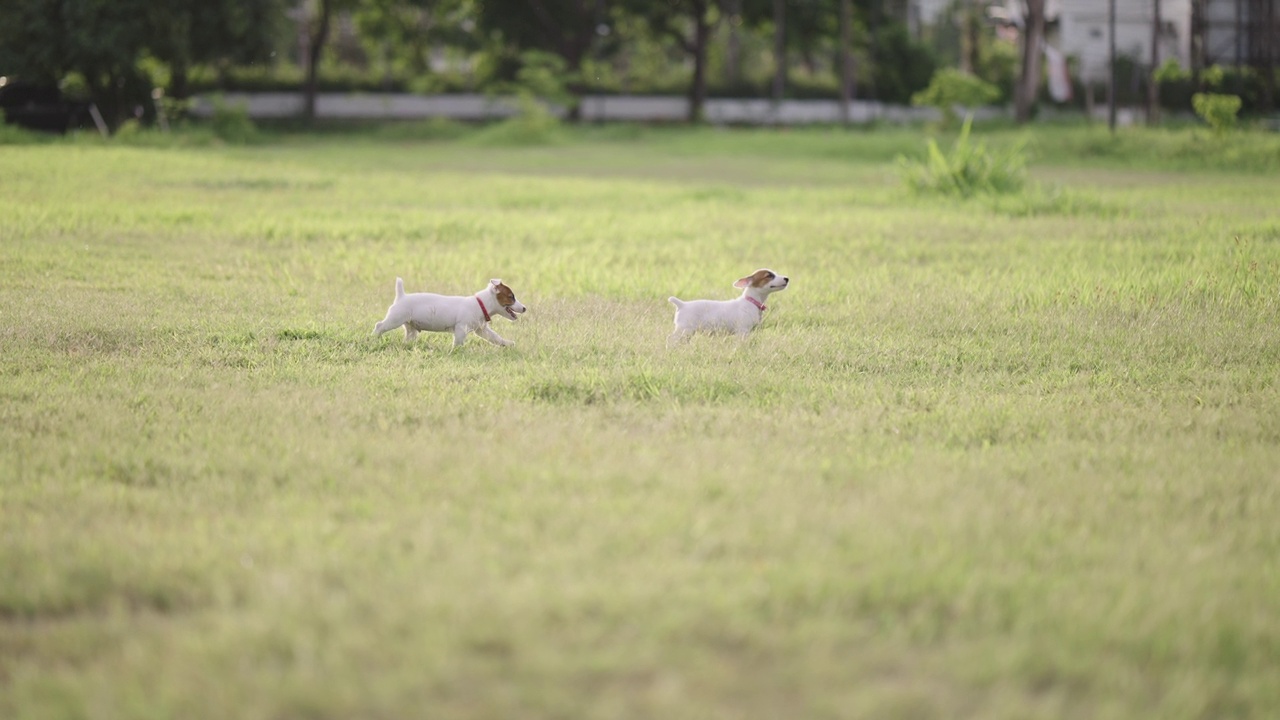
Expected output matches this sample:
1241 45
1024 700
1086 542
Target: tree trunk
315 45
698 90
1198 26
846 59
1270 38
779 49
969 38
1029 80
874 11
574 54
733 53
1111 65
1153 88
179 85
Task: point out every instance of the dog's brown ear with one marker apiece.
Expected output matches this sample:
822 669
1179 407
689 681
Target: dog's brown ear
744 281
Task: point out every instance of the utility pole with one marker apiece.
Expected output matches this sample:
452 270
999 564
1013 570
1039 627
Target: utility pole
1111 66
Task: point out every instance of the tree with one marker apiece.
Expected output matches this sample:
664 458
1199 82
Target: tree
191 32
970 21
951 87
1153 87
403 31
845 58
897 65
1029 78
688 23
779 49
99 39
567 28
103 41
900 65
317 35
800 25
733 52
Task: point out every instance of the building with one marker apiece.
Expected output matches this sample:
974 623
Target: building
1079 30
1235 33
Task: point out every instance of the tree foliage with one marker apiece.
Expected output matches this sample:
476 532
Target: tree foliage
1218 110
105 41
567 28
118 49
950 88
687 23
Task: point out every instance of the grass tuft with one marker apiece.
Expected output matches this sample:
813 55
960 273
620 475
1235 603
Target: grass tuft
969 169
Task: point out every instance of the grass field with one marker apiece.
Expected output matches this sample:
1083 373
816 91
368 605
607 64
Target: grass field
1013 458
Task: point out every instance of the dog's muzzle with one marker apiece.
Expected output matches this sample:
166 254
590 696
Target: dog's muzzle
511 311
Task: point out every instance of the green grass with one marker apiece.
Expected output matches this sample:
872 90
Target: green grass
986 459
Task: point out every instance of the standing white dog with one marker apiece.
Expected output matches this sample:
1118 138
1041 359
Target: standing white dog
738 316
458 314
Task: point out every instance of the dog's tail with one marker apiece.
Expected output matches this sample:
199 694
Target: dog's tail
399 288
676 301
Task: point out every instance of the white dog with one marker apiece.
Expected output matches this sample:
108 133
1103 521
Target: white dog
458 314
738 316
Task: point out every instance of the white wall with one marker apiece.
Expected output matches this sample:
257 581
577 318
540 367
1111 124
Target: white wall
1083 32
369 106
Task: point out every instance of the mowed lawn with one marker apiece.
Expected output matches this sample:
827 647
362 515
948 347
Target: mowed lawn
1012 458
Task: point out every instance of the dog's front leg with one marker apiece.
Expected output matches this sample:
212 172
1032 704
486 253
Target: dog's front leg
487 333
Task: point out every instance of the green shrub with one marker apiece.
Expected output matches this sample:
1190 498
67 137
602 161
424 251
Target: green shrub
1219 111
541 83
1213 76
175 111
970 169
998 64
950 87
231 123
1171 71
900 65
532 125
17 135
546 76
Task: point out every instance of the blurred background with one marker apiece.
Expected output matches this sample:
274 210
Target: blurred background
110 62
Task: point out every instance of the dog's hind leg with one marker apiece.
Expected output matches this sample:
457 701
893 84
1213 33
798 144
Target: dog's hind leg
386 325
396 316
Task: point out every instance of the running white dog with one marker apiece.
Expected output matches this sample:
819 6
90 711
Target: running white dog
458 314
738 316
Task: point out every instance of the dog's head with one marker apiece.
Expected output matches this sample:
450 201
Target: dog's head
507 299
764 279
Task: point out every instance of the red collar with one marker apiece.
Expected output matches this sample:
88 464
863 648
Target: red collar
483 309
759 305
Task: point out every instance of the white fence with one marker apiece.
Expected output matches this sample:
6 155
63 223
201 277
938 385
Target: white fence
595 108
